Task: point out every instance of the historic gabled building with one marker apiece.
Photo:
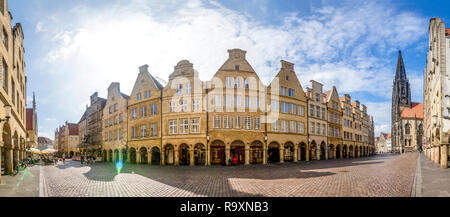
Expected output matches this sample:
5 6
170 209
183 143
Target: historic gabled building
12 92
184 117
233 115
115 122
407 116
347 126
82 132
235 126
317 121
144 119
67 139
334 124
93 141
383 144
287 130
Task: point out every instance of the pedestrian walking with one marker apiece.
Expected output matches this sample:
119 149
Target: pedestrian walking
64 158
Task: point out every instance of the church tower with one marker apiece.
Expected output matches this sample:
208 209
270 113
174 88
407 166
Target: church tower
401 98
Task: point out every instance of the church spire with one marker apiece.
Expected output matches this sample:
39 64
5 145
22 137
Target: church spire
34 102
400 74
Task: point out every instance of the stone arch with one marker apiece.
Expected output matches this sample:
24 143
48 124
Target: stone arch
273 152
218 152
183 154
133 155
143 155
7 150
169 154
199 154
16 148
156 156
289 151
237 149
338 151
350 151
302 151
256 152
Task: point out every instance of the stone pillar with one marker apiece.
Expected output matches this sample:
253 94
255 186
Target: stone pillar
227 154
138 157
177 160
295 153
264 155
108 156
128 156
282 153
9 164
444 156
163 157
348 152
191 157
436 154
318 153
149 157
326 152
247 155
208 155
307 153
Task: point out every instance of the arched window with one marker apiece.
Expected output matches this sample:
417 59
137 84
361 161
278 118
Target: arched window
407 129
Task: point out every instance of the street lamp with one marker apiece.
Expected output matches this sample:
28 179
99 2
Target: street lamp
8 114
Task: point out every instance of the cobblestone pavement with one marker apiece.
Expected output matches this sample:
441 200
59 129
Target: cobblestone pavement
24 184
435 180
388 175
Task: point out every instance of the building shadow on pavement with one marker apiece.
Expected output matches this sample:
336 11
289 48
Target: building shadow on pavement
217 181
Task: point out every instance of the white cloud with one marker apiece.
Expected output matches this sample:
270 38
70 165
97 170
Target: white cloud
342 46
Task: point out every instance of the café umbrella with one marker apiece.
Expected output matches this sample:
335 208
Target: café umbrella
48 151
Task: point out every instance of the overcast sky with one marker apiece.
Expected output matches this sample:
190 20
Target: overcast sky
75 48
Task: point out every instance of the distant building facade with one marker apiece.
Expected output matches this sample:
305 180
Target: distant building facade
383 144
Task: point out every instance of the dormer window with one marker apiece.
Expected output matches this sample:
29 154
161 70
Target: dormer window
179 88
236 67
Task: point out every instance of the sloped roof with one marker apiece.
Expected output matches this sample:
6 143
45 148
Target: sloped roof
447 32
83 117
44 140
29 119
157 84
73 129
327 95
416 111
125 96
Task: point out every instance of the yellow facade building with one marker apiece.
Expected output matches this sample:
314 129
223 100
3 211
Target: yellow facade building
12 92
231 118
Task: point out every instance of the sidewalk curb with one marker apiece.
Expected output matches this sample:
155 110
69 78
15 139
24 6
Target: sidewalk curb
417 184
